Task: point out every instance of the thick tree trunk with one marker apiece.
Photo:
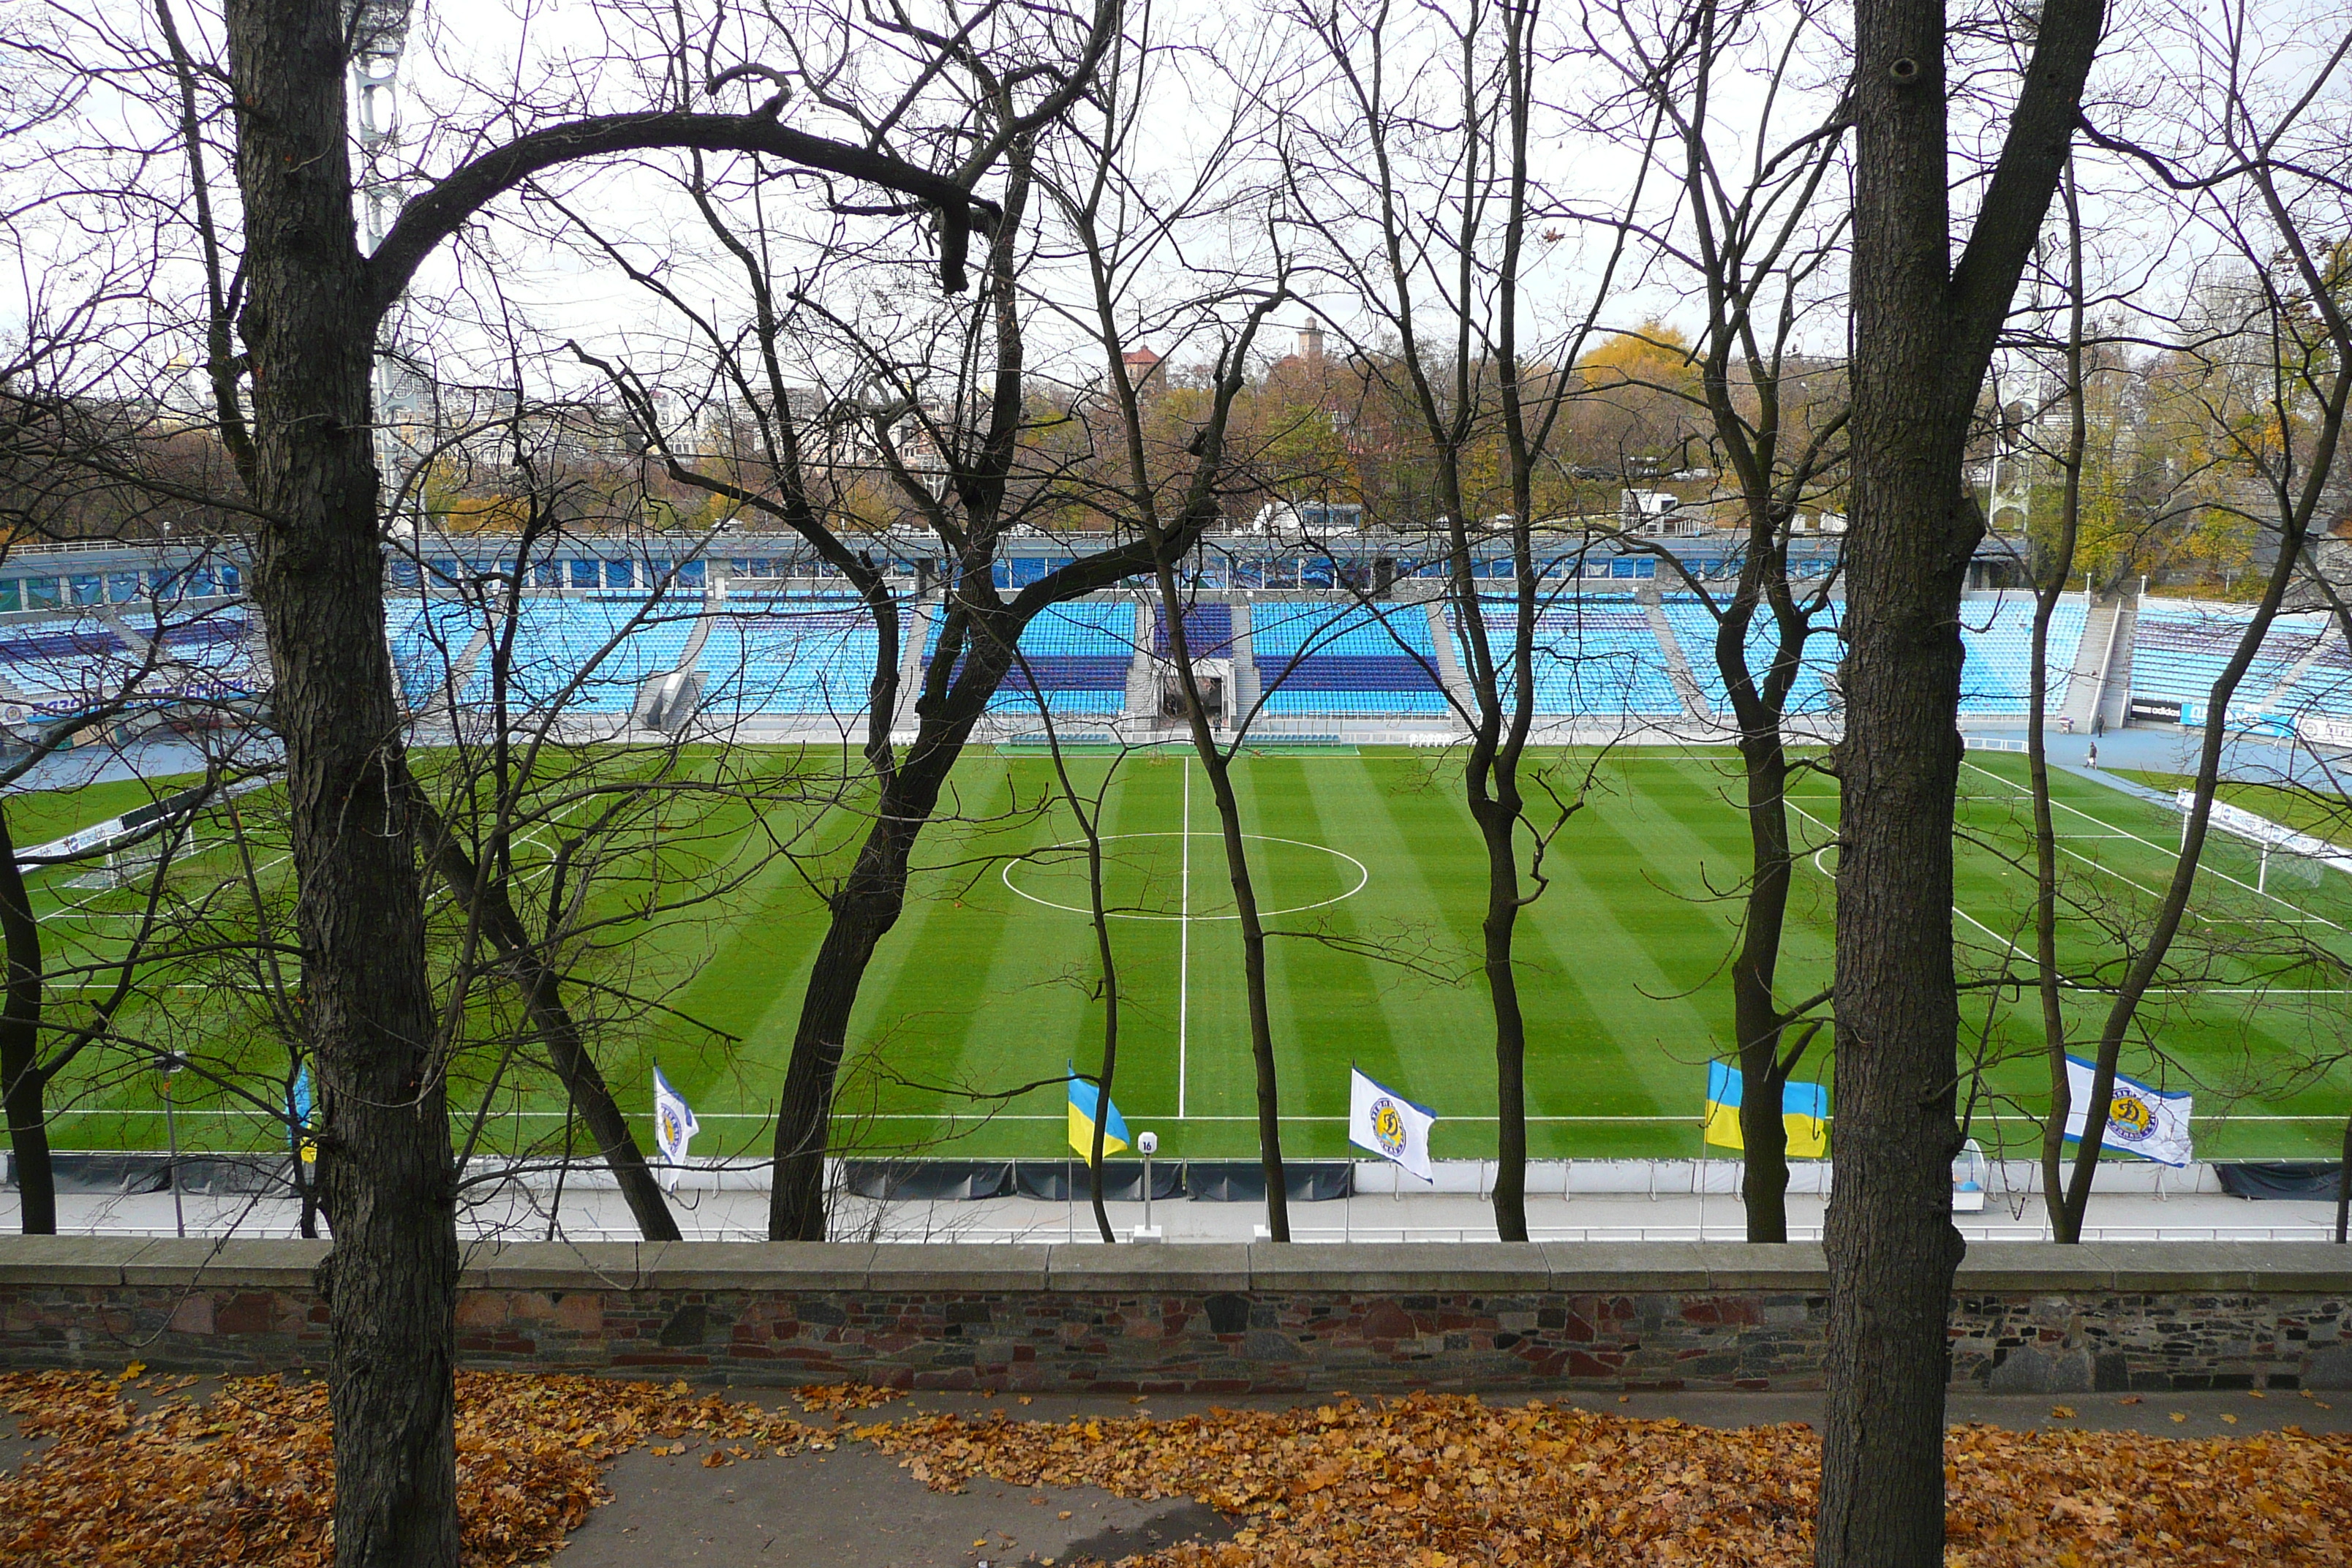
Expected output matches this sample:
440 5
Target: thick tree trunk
22 1081
308 324
1892 1246
1924 330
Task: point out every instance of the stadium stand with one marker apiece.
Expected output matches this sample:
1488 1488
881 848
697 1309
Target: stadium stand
2182 648
1346 660
798 656
1079 654
1998 636
1595 654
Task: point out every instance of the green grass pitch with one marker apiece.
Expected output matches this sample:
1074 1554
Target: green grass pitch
990 979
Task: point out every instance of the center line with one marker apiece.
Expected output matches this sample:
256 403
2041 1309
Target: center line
1184 943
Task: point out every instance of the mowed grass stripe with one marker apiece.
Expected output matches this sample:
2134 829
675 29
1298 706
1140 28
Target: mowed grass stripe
1318 992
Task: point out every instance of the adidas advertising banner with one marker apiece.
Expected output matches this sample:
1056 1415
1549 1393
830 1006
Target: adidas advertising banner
1388 1124
2140 1121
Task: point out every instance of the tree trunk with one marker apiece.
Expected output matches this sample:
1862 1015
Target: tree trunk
1755 1012
22 1082
1892 1246
542 998
1498 826
1214 763
384 1159
864 908
1924 331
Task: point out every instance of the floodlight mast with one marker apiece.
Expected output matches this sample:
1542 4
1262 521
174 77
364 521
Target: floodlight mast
378 32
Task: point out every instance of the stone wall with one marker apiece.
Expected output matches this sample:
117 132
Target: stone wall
1223 1319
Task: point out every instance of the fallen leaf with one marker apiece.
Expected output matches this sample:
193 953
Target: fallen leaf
2061 1413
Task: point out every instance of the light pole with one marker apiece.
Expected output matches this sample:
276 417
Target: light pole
1147 1145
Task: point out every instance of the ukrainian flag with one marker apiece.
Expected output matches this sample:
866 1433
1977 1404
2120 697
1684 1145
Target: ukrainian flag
1084 1098
1804 1111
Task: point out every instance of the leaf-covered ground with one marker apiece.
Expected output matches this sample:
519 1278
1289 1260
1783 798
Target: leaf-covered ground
138 1473
1434 1479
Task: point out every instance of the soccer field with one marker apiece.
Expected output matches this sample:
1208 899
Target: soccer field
988 982
1368 868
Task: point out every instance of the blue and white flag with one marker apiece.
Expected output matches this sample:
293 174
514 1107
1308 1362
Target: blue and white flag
301 1102
674 1124
2141 1120
1388 1124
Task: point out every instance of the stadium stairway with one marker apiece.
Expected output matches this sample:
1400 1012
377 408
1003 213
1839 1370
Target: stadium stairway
1449 658
914 637
2088 687
1142 670
666 701
1678 670
1241 701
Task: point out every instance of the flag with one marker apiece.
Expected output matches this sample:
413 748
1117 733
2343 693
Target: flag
1388 1124
2141 1120
1084 1098
1804 1111
300 1101
674 1124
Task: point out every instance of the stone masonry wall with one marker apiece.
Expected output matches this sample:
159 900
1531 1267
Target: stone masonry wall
1210 1319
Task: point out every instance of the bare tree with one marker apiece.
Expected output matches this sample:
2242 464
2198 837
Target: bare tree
1763 247
2286 362
1426 200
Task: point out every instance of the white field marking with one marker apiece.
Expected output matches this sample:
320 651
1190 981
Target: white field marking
2159 848
1825 827
1363 877
1185 949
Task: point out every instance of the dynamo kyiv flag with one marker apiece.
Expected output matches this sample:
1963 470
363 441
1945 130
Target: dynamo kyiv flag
2141 1120
1388 1124
674 1124
1084 1098
1804 1111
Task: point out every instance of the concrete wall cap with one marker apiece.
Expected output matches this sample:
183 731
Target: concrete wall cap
261 1263
2315 1268
954 1265
2167 1266
68 1259
1788 1266
762 1265
559 1265
1614 1268
1361 1268
1200 1267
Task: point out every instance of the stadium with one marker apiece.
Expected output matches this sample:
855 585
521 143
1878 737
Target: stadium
739 657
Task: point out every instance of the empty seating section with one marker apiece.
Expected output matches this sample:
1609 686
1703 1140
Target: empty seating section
1077 653
1332 658
1694 627
1593 654
2321 686
805 656
569 656
1999 635
1208 631
2182 648
1346 659
68 664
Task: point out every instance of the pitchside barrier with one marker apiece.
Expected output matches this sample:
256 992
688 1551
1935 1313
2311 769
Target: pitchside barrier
1201 1181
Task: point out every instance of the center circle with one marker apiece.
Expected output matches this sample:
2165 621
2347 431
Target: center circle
1074 853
